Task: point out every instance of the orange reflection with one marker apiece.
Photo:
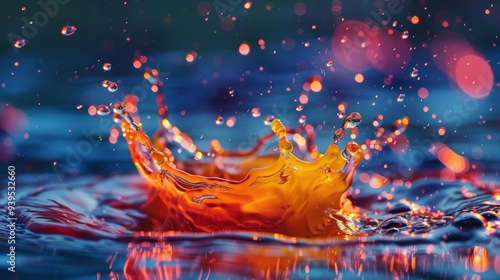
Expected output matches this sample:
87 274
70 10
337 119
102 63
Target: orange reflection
280 257
378 181
449 158
479 259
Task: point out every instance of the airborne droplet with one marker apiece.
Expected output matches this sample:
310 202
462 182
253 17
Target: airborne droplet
103 110
117 118
119 108
399 126
414 73
302 119
106 66
378 120
299 108
379 132
406 34
329 63
401 97
338 135
20 43
256 112
268 120
219 120
351 121
68 30
112 87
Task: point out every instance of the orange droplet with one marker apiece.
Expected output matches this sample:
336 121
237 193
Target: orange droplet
415 20
92 110
359 78
191 56
378 181
316 86
244 49
137 64
303 99
449 158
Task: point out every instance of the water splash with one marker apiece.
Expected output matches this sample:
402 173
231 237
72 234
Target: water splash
239 190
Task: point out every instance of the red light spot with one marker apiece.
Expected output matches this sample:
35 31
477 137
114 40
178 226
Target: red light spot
474 76
300 9
353 44
244 49
137 64
423 93
92 110
303 99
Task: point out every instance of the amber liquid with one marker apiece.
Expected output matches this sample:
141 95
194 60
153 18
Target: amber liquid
275 193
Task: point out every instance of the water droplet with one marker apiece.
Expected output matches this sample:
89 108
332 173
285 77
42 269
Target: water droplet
395 222
105 83
351 121
268 120
19 43
329 63
106 66
112 87
345 155
350 149
231 91
378 120
379 132
79 107
219 120
400 125
399 207
338 135
401 97
68 30
406 34
256 112
414 73
302 119
119 108
490 216
117 117
103 110
299 108
467 221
